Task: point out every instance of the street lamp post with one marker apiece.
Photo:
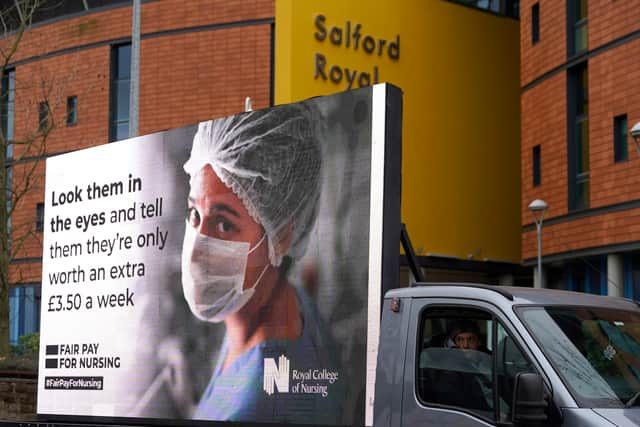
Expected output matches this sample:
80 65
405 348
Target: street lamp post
537 208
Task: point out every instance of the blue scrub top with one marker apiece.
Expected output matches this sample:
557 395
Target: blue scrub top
238 394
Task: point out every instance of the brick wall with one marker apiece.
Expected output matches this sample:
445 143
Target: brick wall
185 77
589 232
613 89
18 399
544 123
609 20
157 16
551 50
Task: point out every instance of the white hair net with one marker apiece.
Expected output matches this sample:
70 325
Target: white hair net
271 160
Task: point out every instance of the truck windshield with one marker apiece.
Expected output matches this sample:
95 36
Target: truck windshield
595 350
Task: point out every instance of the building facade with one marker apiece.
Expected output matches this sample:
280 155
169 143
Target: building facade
199 59
580 97
457 65
456 61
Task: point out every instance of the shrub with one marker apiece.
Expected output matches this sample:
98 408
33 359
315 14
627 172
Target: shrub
28 346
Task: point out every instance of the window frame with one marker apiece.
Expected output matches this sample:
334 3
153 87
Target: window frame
578 178
496 317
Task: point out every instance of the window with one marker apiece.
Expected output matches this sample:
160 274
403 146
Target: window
40 217
467 360
7 101
43 116
72 110
510 8
632 275
578 141
119 95
535 23
577 26
620 152
535 160
593 349
588 275
24 311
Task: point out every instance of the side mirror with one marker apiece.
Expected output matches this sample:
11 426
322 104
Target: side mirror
529 404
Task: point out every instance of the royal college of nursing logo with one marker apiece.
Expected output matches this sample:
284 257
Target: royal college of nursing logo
276 377
281 378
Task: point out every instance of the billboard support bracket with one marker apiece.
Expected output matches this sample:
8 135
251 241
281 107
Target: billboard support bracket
411 255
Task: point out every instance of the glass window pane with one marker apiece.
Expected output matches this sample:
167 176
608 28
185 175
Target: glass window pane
582 195
43 115
40 217
455 364
72 110
595 350
24 311
536 166
14 314
123 66
582 93
32 310
620 151
581 10
122 131
535 23
122 106
7 97
9 187
120 88
581 38
582 146
10 105
632 290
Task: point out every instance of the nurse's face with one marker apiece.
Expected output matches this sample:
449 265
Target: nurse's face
214 210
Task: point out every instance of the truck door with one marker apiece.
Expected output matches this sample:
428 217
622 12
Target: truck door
461 361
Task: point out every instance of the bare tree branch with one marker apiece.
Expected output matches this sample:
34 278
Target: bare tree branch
20 173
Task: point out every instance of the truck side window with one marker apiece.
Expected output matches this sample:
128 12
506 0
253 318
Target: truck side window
457 355
455 366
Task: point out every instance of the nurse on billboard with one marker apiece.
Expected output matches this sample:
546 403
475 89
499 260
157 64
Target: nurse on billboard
255 182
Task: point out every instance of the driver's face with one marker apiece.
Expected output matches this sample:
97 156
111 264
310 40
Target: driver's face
467 341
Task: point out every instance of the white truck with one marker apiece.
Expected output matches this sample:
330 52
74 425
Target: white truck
542 357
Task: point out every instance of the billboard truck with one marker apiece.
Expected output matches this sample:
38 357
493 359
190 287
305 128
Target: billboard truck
234 271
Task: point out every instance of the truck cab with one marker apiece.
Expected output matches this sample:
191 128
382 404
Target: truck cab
477 355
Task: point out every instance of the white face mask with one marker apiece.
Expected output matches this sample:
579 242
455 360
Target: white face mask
213 275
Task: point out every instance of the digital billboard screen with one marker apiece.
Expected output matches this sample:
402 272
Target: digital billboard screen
227 271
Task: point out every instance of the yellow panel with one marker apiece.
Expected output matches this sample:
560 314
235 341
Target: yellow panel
458 69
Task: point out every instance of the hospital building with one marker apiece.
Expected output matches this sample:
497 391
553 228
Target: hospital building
504 102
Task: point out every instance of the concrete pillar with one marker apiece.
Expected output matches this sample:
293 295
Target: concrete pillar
615 275
535 278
